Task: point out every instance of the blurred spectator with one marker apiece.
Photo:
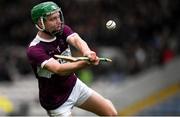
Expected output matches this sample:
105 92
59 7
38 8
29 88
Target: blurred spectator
6 105
4 74
167 55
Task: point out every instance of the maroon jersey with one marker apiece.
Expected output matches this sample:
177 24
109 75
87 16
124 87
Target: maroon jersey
54 89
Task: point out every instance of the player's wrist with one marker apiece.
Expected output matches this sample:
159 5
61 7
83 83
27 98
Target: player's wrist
87 53
83 64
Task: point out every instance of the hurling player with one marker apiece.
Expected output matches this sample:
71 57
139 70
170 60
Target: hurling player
59 88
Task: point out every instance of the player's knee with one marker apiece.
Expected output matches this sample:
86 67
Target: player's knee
112 111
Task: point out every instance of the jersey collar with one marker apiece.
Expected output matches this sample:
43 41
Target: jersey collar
45 40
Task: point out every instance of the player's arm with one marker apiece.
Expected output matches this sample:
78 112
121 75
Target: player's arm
66 68
82 46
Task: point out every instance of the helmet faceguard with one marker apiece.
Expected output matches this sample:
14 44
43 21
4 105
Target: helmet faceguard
41 11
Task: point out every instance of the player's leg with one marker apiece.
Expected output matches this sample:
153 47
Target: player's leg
58 114
99 105
80 93
64 110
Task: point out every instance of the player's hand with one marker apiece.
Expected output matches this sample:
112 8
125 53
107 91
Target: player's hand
93 59
96 62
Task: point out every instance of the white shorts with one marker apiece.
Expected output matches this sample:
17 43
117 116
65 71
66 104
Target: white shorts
80 93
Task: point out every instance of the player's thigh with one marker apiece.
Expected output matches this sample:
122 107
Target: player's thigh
99 105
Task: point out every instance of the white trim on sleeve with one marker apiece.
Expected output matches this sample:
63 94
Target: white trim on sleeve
43 63
73 34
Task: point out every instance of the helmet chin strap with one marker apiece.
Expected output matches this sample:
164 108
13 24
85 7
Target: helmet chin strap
53 33
47 32
43 26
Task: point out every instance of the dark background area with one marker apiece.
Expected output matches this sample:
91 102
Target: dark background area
147 32
137 20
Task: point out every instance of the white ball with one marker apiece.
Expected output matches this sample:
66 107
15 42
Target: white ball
110 25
